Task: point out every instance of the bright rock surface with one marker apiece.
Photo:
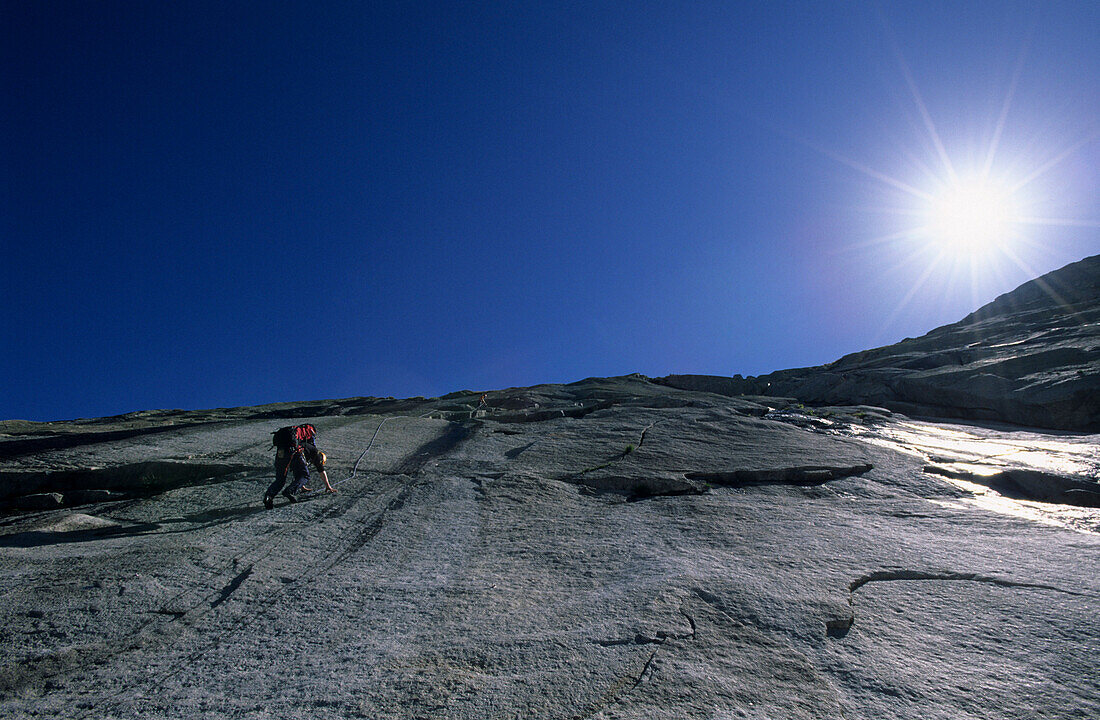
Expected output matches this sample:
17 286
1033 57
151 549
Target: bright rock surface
612 548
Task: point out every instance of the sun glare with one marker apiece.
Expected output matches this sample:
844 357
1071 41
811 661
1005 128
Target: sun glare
971 218
970 214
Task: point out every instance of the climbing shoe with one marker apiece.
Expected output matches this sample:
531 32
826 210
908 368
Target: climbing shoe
289 495
269 502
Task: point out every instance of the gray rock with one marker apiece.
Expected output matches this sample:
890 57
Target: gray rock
86 496
38 501
664 553
148 475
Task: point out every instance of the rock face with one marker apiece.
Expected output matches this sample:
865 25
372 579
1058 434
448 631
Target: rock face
613 548
1031 357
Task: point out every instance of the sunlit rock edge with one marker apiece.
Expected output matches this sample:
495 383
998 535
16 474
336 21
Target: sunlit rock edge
1031 357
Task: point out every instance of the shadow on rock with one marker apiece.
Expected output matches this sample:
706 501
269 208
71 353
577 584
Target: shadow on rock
803 476
41 538
89 529
1028 484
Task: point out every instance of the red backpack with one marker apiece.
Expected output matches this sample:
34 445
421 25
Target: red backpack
292 436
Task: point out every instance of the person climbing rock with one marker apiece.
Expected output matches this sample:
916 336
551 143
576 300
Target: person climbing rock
295 450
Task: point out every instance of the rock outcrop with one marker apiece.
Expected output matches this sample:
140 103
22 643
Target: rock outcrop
1031 357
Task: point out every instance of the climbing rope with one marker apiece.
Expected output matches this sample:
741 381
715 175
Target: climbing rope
355 468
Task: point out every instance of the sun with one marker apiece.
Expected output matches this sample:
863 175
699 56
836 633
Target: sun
971 214
971 217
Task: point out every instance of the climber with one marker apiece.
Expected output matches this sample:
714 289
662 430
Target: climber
295 450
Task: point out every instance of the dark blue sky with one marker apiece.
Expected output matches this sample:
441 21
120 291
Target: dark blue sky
218 204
